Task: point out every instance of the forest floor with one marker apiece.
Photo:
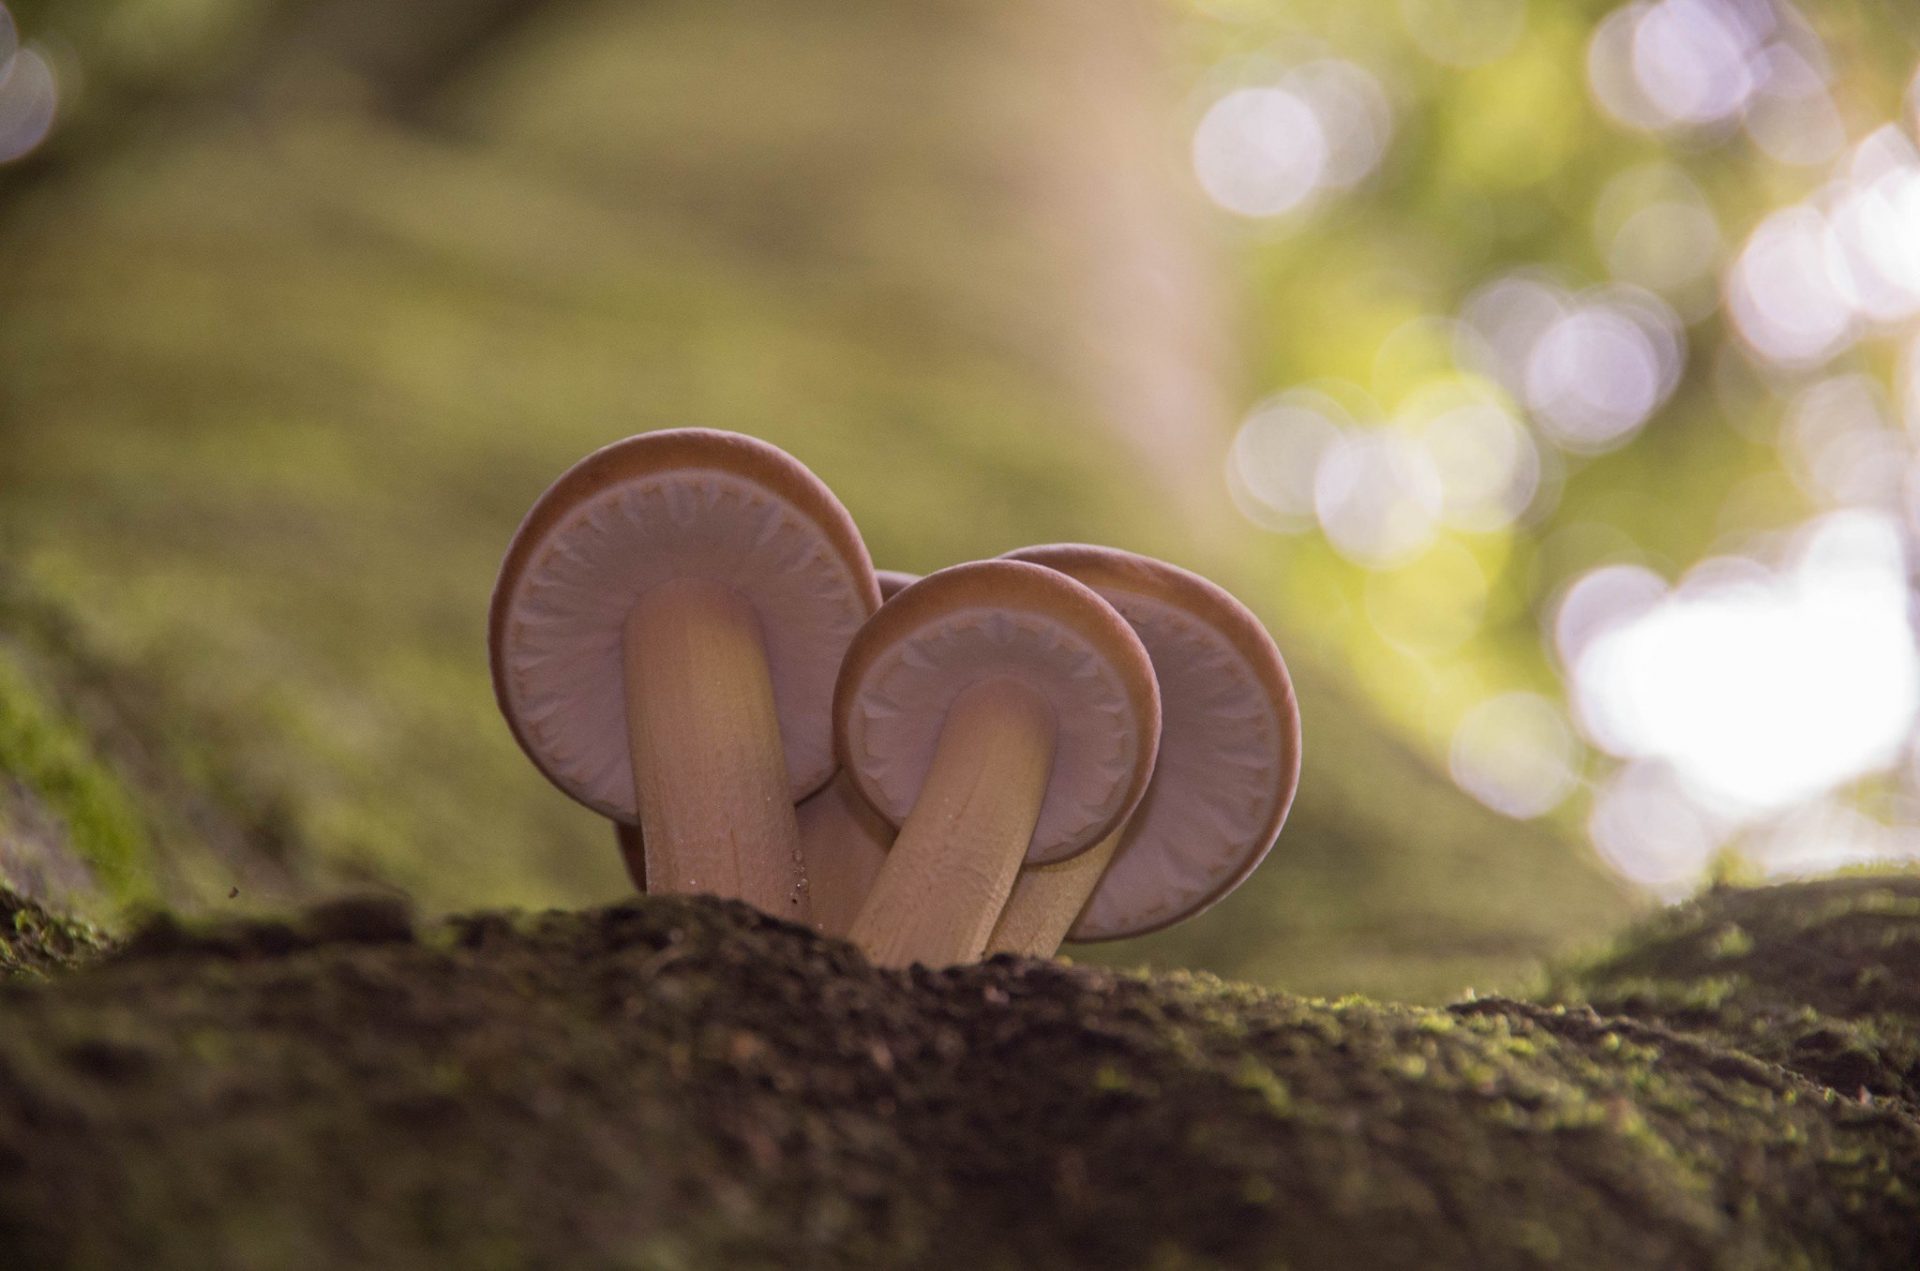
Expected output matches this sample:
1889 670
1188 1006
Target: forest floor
675 1082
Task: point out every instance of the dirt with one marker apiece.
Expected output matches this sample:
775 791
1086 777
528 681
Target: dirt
685 1083
1822 978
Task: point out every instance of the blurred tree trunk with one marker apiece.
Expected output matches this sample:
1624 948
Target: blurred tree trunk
305 303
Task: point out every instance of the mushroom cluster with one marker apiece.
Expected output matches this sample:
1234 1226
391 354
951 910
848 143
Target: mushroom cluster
1066 743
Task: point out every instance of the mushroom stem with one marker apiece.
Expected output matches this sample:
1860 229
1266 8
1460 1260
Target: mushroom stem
708 769
1046 899
844 844
943 884
633 852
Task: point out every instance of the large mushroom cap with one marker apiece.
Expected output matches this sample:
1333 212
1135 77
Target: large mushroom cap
1229 743
686 503
994 619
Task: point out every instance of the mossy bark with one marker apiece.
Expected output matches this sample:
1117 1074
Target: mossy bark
684 1083
35 942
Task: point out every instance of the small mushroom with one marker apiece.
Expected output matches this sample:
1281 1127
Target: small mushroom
665 634
893 582
843 841
1229 762
633 851
995 712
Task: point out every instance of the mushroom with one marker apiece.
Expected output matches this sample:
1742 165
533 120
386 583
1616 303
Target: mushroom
665 634
844 843
995 712
1229 762
633 851
842 840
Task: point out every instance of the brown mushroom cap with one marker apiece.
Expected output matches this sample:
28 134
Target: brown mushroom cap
1229 743
993 619
893 582
684 503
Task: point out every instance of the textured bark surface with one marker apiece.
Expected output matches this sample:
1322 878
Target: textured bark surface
679 1082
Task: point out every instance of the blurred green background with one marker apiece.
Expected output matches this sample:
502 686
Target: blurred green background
1543 374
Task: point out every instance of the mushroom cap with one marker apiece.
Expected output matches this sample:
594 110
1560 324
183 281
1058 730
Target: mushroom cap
988 620
1229 743
893 582
683 503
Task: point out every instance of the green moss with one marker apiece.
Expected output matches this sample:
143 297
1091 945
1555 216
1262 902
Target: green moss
1823 978
1731 941
1257 1077
688 1082
55 764
35 942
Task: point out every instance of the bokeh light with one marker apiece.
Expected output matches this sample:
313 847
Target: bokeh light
1267 149
1502 321
1516 754
1596 603
1656 231
1275 455
1875 244
1694 60
1611 73
1599 371
1759 230
1378 496
1356 120
1782 293
29 94
1645 823
1260 151
1841 447
1760 687
1792 118
1823 836
1487 462
1815 276
1464 33
1706 66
